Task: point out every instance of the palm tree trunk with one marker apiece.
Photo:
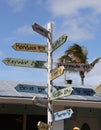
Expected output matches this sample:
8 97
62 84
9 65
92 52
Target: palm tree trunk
82 81
82 77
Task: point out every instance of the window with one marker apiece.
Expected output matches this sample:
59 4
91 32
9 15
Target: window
11 122
32 121
85 126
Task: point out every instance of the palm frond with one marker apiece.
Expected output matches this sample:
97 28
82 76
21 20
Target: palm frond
95 61
64 58
75 48
78 51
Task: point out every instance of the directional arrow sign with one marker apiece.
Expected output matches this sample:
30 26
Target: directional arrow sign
76 66
39 29
39 101
25 63
42 126
29 47
59 42
31 88
83 91
62 114
56 72
62 93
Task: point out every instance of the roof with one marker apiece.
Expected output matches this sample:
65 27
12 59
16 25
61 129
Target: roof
21 92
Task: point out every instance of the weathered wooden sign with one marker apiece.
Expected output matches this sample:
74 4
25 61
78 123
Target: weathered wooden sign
42 126
40 101
31 88
62 93
25 63
56 72
59 42
29 47
83 91
76 66
39 29
62 114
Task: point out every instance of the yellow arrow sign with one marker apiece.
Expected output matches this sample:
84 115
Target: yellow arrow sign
42 126
29 47
56 72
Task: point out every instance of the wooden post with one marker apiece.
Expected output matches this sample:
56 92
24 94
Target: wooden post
50 103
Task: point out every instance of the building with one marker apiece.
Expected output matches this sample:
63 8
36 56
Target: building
17 111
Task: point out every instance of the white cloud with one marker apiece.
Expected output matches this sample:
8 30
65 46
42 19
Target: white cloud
79 19
1 53
17 5
94 76
72 7
25 30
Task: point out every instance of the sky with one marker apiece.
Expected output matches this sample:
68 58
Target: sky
80 20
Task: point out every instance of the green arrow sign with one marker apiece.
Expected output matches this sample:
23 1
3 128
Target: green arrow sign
25 63
62 93
59 42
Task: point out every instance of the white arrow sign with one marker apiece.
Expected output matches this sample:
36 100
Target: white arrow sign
62 114
39 101
39 29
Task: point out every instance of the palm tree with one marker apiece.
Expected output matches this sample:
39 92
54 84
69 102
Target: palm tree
77 54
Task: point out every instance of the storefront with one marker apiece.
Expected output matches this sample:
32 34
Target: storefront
21 117
17 111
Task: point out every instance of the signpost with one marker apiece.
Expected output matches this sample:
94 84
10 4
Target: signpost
39 29
59 42
49 82
42 126
52 73
29 47
56 72
62 93
62 114
25 63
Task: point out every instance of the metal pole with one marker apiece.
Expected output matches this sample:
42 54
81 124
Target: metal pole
50 103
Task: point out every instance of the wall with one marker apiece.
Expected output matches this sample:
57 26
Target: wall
84 115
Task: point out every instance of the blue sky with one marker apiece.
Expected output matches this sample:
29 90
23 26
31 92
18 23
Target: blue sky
80 20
